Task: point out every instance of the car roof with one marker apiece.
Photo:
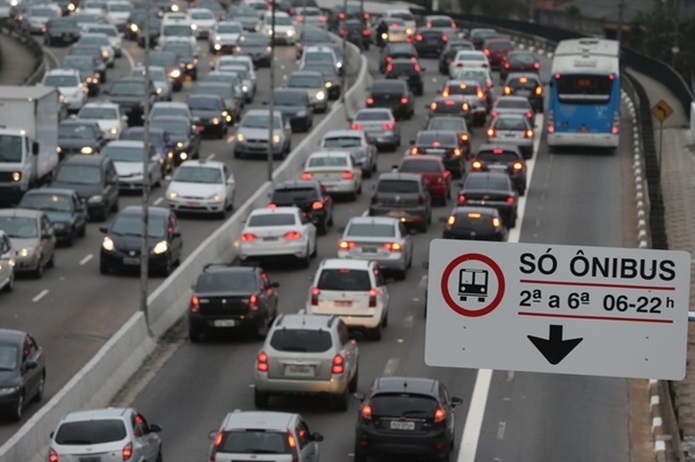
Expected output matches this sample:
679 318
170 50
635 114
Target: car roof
528 75
49 190
261 112
79 122
21 213
400 176
178 104
422 158
126 143
406 384
511 98
97 159
202 163
338 263
343 132
488 174
273 210
225 268
449 133
151 210
141 129
375 220
94 414
329 154
291 184
107 104
503 146
262 420
61 71
13 335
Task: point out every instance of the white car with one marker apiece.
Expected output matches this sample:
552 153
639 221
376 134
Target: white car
278 232
337 171
202 186
127 158
514 129
73 93
355 290
310 16
103 42
225 36
237 60
176 29
118 12
315 86
248 84
319 54
285 30
107 115
6 263
170 108
406 16
93 7
115 37
38 16
468 58
202 22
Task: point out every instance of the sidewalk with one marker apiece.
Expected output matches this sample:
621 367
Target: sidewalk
678 190
17 62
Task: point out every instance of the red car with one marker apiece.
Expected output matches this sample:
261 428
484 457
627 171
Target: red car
496 50
431 168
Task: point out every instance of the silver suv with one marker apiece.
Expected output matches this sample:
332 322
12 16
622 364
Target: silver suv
106 435
277 436
307 354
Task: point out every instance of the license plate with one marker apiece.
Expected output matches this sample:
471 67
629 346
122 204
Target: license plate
398 425
404 77
510 135
131 261
343 303
435 151
368 250
224 323
90 459
270 238
299 369
193 204
397 213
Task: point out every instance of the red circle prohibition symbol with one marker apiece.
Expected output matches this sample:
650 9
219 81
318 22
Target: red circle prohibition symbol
494 303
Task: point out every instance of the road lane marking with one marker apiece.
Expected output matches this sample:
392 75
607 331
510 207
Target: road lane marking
510 376
158 201
409 322
40 295
129 57
86 259
500 430
391 366
211 156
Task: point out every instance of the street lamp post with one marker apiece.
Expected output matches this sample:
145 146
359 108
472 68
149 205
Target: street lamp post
272 99
144 244
343 77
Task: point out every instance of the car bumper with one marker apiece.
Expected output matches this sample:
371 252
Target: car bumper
333 386
340 187
600 140
131 184
63 232
472 235
250 320
366 321
257 149
28 263
196 206
120 260
429 445
390 261
277 249
413 215
384 137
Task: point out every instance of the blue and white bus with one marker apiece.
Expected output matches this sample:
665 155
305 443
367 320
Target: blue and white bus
584 95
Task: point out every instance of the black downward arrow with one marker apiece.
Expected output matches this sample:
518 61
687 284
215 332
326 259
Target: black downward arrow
554 348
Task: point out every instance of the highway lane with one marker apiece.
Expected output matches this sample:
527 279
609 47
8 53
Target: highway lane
73 310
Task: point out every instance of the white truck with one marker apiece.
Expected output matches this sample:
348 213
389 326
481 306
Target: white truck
29 118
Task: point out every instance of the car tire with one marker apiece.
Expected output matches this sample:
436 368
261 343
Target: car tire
71 238
159 456
376 333
359 456
238 155
9 287
51 263
352 387
38 272
401 275
168 267
41 388
19 408
423 227
342 400
194 335
322 229
261 400
104 268
305 261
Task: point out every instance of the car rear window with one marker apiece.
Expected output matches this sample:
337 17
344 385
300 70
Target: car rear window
254 442
294 195
398 186
272 219
434 138
440 124
494 182
499 45
429 166
90 432
402 404
344 279
371 230
391 86
523 82
515 103
521 58
511 123
301 340
227 281
342 142
363 116
462 89
404 66
505 156
327 161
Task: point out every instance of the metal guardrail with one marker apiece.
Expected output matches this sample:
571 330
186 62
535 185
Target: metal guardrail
9 28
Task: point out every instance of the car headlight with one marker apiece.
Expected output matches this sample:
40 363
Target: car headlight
87 150
237 49
320 96
90 80
16 176
114 130
290 32
179 144
173 195
269 31
96 199
62 98
26 251
174 8
59 149
215 197
215 120
159 90
160 247
194 26
339 64
240 137
217 47
134 28
244 88
61 225
183 155
176 73
4 391
105 54
329 84
218 38
276 139
189 66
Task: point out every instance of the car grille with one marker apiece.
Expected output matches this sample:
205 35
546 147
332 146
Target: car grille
6 177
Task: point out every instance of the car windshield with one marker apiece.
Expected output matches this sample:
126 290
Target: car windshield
202 15
436 139
61 81
205 104
327 161
177 30
388 87
473 220
512 103
523 83
62 24
180 48
440 123
119 7
290 98
326 69
304 81
522 58
225 281
78 174
371 230
511 123
100 40
371 116
253 442
131 225
301 340
428 166
506 157
401 48
98 113
398 186
44 13
258 121
168 111
344 279
19 227
229 29
467 56
487 182
342 142
439 22
317 56
127 89
207 175
90 432
166 59
272 219
10 148
253 40
499 45
46 201
461 88
403 404
109 31
77 131
176 127
243 10
225 91
76 62
315 36
9 356
283 21
123 154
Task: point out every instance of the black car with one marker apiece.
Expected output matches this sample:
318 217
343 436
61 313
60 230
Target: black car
163 145
170 61
295 107
132 25
155 31
444 144
519 61
186 139
456 124
411 72
355 32
93 51
22 371
478 36
232 104
343 12
61 30
63 207
255 45
79 137
120 248
525 84
309 196
87 66
392 94
452 105
396 50
330 75
209 111
449 52
430 42
491 189
129 93
474 223
188 57
504 158
309 37
232 298
406 416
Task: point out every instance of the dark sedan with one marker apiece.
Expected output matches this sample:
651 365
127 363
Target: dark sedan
491 189
295 107
171 62
330 75
129 93
232 104
453 105
474 223
93 51
61 30
397 50
444 144
430 42
22 371
449 52
520 61
188 57
88 68
310 196
186 139
255 45
356 32
310 37
232 298
120 248
63 207
79 137
392 94
159 139
208 110
408 70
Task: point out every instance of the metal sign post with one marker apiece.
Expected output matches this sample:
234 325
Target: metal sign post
271 111
144 244
661 111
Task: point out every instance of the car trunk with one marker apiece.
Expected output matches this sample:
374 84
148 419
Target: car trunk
224 304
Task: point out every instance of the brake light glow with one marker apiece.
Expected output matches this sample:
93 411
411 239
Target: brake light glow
389 68
494 114
291 442
456 151
539 90
341 15
322 19
301 18
464 137
507 65
474 215
194 305
365 32
551 123
433 106
366 411
338 364
253 302
271 206
611 76
414 151
52 455
529 115
355 126
517 166
248 237
347 245
507 90
315 292
342 32
392 246
445 38
348 175
317 205
477 165
496 222
306 176
616 123
389 59
439 415
510 200
262 362
528 134
370 101
418 37
372 298
557 76
429 25
388 126
127 451
404 100
462 198
292 235
417 67
436 144
536 65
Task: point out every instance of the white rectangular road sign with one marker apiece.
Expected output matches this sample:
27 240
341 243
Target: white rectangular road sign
558 308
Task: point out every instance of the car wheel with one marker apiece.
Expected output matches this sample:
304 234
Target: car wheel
385 321
168 267
305 261
41 388
19 407
52 261
359 456
159 456
10 284
194 335
38 272
401 275
330 220
322 229
237 154
261 400
354 382
71 238
316 249
376 332
341 401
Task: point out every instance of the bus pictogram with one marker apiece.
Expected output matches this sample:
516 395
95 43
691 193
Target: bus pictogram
473 283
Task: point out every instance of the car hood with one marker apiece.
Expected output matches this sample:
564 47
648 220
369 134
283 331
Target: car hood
195 189
289 110
233 38
105 125
258 133
68 90
128 243
205 113
71 143
254 50
57 217
128 100
9 378
85 191
128 168
21 242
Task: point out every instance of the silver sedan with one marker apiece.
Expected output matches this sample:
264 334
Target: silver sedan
380 125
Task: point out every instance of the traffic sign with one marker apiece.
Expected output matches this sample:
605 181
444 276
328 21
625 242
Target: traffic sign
558 309
662 110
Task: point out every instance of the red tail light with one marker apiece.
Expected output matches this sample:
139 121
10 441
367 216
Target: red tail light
248 237
370 101
194 305
429 25
315 292
389 59
418 37
439 415
262 362
346 245
271 206
299 18
365 15
494 114
488 84
491 132
306 176
52 455
388 126
355 126
253 302
507 65
417 68
445 38
461 198
413 59
616 123
389 68
338 364
392 246
292 235
404 100
528 134
487 52
536 65
322 19
341 15
510 200
517 166
464 137
373 199
291 11
529 115
365 32
317 205
372 298
127 451
366 411
348 175
342 32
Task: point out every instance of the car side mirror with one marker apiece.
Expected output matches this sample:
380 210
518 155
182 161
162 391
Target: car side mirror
212 434
155 428
275 285
426 265
31 365
103 229
316 436
105 91
455 401
35 148
412 142
264 103
341 229
176 234
360 396
427 106
124 118
422 69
